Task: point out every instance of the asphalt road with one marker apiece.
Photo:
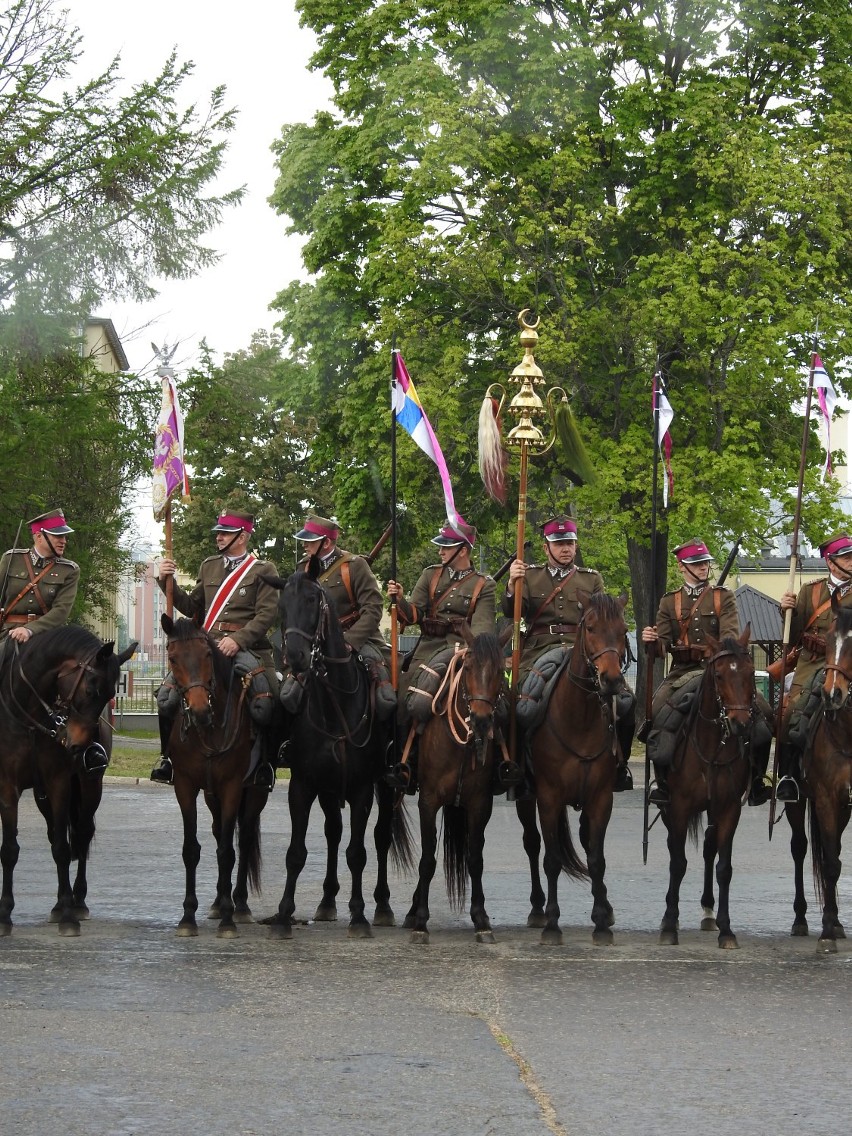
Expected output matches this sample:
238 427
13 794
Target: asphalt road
129 1029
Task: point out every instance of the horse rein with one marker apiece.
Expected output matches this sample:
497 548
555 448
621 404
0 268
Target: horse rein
59 712
210 689
450 693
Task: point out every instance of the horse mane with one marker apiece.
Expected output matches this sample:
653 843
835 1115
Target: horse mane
732 644
185 629
486 650
606 606
71 638
843 621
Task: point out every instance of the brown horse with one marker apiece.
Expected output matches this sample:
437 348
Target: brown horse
458 752
711 773
210 747
574 755
53 691
828 773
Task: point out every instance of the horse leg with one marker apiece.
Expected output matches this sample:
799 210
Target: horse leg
426 871
477 820
226 858
356 860
186 795
300 800
333 828
88 791
549 818
59 792
383 836
215 806
708 900
411 914
799 849
826 818
593 826
253 803
676 824
9 852
726 827
532 846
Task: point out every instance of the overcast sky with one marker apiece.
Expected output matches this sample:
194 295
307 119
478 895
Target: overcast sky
259 51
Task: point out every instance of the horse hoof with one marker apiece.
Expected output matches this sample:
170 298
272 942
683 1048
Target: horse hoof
603 937
729 942
551 937
827 947
839 933
227 931
70 928
81 911
799 930
359 931
55 914
187 930
408 923
420 937
485 937
708 923
280 931
668 938
326 913
244 916
536 919
384 919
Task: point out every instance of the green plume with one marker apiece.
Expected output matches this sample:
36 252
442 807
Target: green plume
574 453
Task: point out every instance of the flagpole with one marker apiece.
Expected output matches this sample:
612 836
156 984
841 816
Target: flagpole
393 606
170 580
651 648
791 581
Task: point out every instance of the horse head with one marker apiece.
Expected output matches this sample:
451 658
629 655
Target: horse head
730 672
837 684
482 682
191 660
602 645
309 626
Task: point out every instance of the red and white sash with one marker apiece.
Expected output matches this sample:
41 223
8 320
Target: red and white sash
226 589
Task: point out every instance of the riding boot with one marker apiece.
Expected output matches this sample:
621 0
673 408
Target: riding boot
403 774
163 773
787 789
658 790
264 774
623 778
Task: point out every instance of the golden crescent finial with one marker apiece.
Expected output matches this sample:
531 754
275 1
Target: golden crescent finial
523 322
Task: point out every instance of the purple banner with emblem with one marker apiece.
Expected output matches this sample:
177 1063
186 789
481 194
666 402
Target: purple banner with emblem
169 468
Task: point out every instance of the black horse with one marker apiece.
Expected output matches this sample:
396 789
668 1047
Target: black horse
53 691
337 755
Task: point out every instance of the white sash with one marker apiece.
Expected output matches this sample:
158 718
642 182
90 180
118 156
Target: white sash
225 590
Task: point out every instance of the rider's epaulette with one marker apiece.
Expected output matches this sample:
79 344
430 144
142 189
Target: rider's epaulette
15 551
65 560
589 571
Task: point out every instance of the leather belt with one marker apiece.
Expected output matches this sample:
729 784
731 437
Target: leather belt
21 618
557 628
226 627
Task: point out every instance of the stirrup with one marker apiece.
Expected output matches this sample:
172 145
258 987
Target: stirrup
163 774
509 774
399 776
787 790
95 759
658 794
623 778
264 776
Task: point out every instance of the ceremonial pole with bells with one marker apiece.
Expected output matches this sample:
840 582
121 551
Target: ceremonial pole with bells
539 422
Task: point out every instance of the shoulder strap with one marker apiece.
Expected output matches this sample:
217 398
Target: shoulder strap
555 591
32 586
433 587
683 622
817 612
474 595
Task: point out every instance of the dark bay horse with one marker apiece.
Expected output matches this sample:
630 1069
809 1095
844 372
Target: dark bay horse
574 757
53 691
336 750
211 747
827 792
458 751
711 773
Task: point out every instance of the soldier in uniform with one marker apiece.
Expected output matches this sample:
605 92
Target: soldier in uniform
238 604
684 620
357 597
445 595
38 586
555 595
811 619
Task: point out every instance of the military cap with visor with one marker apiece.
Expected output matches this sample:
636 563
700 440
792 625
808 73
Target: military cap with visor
693 552
233 522
454 534
52 523
318 528
838 545
559 528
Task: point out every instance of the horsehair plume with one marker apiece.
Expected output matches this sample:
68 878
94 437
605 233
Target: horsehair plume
580 469
493 459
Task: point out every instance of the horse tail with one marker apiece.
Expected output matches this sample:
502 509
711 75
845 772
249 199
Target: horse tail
402 844
569 861
816 853
249 844
695 826
456 855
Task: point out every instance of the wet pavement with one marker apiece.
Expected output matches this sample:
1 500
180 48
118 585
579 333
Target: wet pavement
130 1030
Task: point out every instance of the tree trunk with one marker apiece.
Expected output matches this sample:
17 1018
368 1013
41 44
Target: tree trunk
646 600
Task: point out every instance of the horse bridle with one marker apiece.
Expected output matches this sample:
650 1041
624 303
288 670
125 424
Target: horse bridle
208 687
590 660
724 708
59 712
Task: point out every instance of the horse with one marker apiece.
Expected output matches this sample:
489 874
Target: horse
826 785
457 754
337 749
574 754
211 749
53 690
711 772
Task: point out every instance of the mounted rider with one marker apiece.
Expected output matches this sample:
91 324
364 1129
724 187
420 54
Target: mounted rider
352 586
237 605
811 619
685 619
38 586
555 596
445 596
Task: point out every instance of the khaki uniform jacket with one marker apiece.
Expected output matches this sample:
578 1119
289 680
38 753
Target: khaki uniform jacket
810 661
451 600
703 622
366 593
250 611
556 621
58 589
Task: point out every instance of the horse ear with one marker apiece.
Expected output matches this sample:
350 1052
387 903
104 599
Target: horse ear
623 600
198 619
167 624
277 582
835 601
313 569
128 653
746 635
506 634
466 633
711 646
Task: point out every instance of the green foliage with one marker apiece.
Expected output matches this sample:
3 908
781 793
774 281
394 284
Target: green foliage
664 184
